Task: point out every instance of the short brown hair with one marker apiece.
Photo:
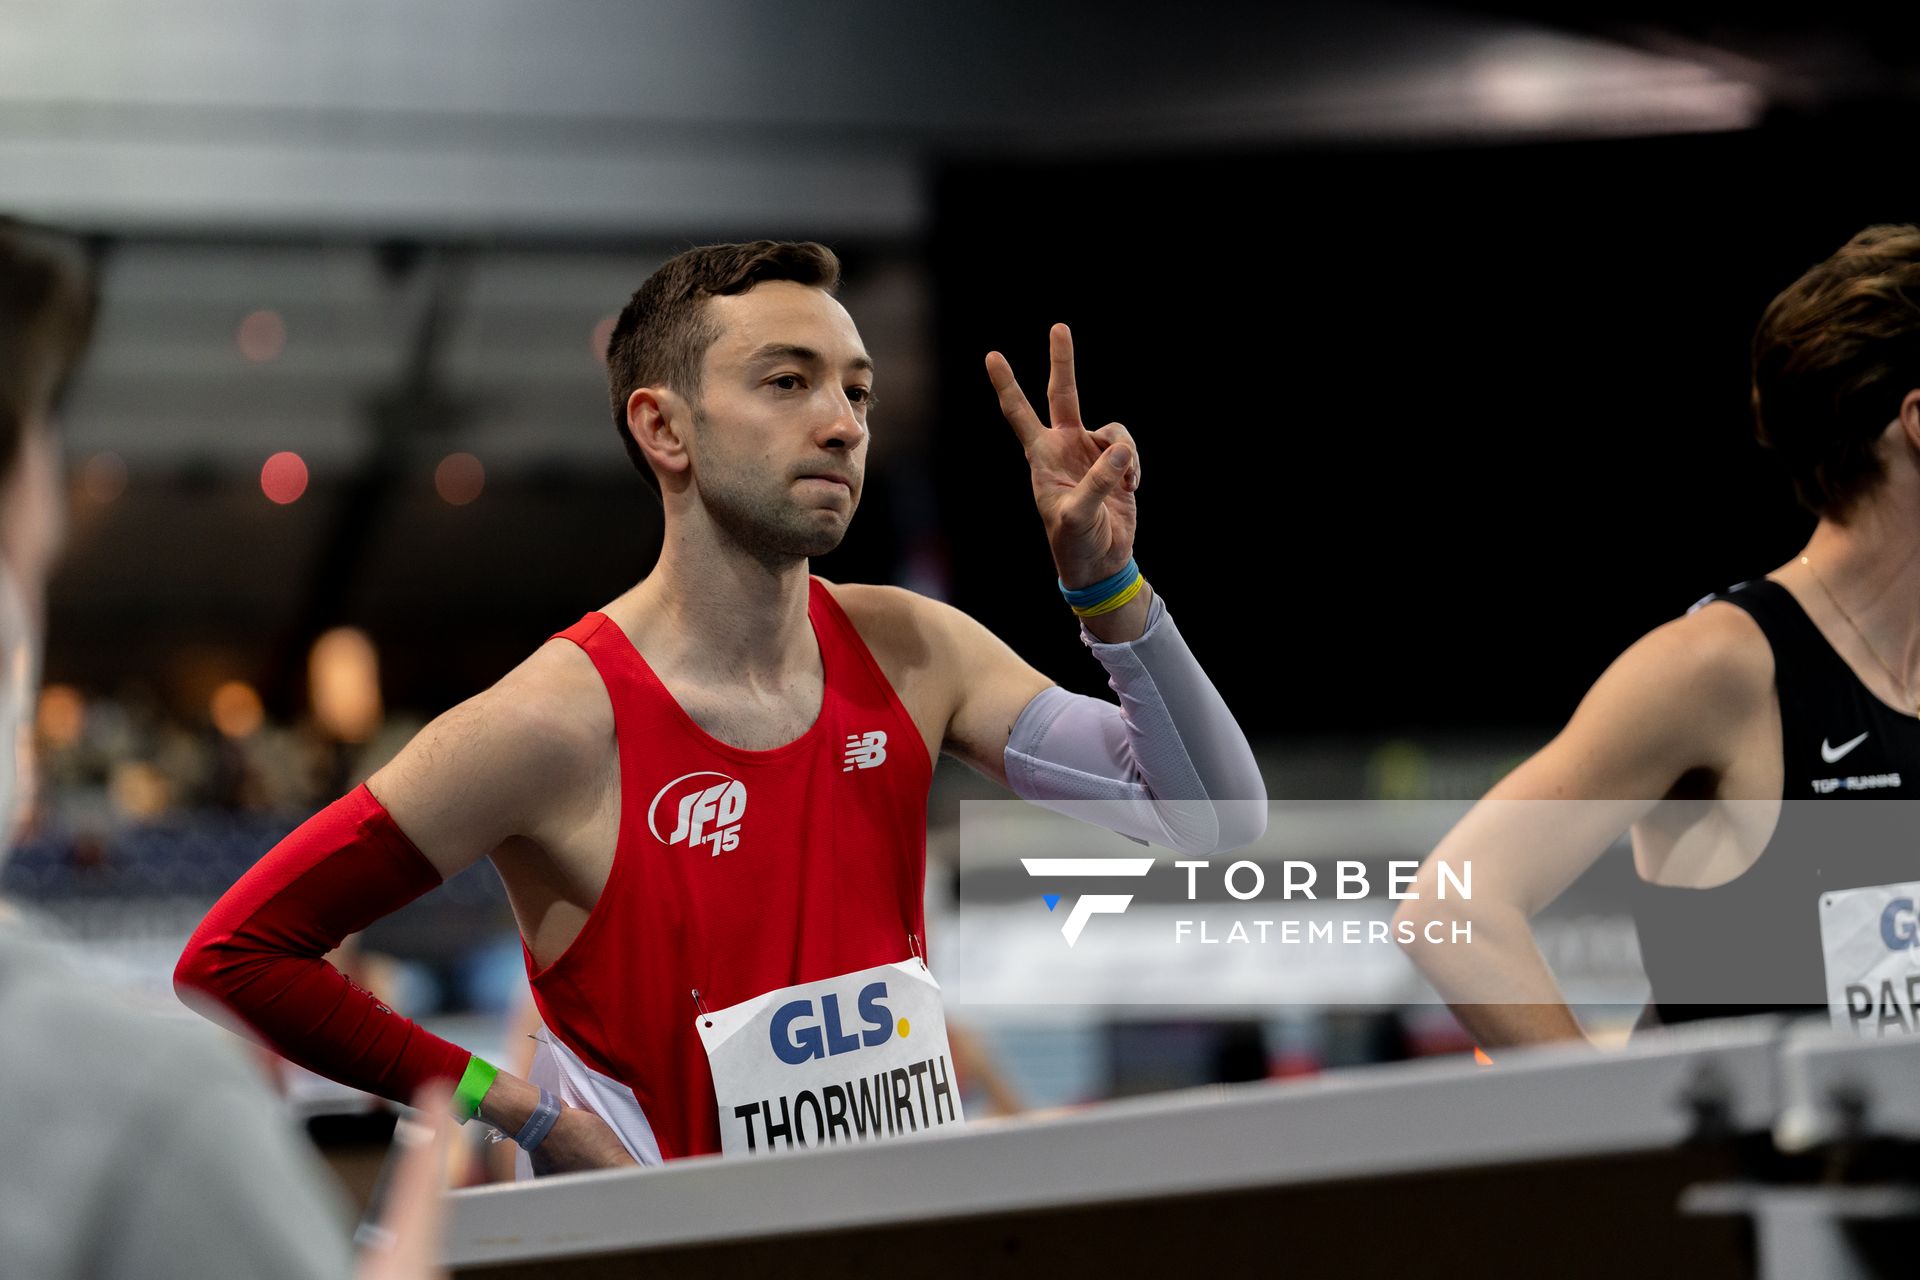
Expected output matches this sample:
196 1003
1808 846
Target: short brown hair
662 336
1834 356
46 316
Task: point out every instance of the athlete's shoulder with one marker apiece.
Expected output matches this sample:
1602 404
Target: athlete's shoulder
891 618
558 689
552 710
911 628
525 757
1690 694
1713 662
928 650
1721 643
873 598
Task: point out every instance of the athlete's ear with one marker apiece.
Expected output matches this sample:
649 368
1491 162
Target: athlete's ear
660 420
1910 418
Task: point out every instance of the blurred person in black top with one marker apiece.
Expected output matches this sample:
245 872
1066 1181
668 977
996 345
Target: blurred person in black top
1803 686
130 1144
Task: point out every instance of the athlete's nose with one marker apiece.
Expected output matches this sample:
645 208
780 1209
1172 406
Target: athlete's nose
845 430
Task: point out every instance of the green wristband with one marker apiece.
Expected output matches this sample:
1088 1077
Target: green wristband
473 1086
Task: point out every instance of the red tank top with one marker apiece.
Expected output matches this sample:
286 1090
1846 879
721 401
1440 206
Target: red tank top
737 872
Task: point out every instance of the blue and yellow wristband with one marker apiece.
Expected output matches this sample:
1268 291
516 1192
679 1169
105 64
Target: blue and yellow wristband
1105 595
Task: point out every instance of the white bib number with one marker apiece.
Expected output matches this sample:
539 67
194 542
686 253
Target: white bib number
1871 942
856 1058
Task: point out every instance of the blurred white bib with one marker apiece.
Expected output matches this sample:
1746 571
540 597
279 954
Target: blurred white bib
1871 942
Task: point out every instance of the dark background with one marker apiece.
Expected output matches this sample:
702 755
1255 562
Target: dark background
1434 421
1428 436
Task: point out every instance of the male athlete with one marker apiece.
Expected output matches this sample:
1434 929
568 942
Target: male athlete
707 800
1801 686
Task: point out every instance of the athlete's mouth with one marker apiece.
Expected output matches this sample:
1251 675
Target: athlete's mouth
830 478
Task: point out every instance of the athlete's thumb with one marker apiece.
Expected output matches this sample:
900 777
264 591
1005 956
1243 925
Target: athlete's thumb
1108 472
1105 476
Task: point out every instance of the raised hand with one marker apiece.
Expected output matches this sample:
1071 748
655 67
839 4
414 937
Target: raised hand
1083 481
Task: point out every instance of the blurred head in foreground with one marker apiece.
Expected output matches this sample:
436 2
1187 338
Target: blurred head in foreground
46 316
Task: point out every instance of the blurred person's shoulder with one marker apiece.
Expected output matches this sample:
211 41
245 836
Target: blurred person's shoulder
81 1058
42 980
112 1108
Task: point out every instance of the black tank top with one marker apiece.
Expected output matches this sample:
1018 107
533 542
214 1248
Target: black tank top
1756 939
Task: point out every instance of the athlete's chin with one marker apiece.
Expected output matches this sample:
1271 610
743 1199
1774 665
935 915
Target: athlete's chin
824 537
782 530
802 533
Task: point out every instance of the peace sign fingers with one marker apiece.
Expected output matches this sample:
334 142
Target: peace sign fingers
1013 402
1063 394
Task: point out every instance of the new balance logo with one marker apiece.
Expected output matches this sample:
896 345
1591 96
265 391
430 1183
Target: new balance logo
707 810
865 751
1091 904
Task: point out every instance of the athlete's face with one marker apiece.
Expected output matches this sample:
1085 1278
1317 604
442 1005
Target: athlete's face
779 446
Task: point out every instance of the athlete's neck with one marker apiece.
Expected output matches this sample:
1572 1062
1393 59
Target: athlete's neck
709 610
1871 566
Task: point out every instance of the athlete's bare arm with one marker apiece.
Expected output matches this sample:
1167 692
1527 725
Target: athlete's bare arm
520 759
1683 702
521 771
961 684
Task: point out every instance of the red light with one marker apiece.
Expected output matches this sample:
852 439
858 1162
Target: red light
261 336
103 477
459 478
284 478
602 335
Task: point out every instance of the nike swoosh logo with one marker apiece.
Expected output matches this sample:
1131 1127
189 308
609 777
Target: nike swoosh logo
1833 755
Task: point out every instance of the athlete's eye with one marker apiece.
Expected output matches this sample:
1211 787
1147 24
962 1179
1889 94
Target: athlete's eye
787 382
860 395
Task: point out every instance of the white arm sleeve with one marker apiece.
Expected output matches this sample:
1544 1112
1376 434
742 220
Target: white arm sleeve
1169 764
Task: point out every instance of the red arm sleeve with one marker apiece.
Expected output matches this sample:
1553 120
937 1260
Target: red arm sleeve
259 951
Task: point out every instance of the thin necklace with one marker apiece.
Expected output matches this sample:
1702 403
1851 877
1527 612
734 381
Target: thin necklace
1906 689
